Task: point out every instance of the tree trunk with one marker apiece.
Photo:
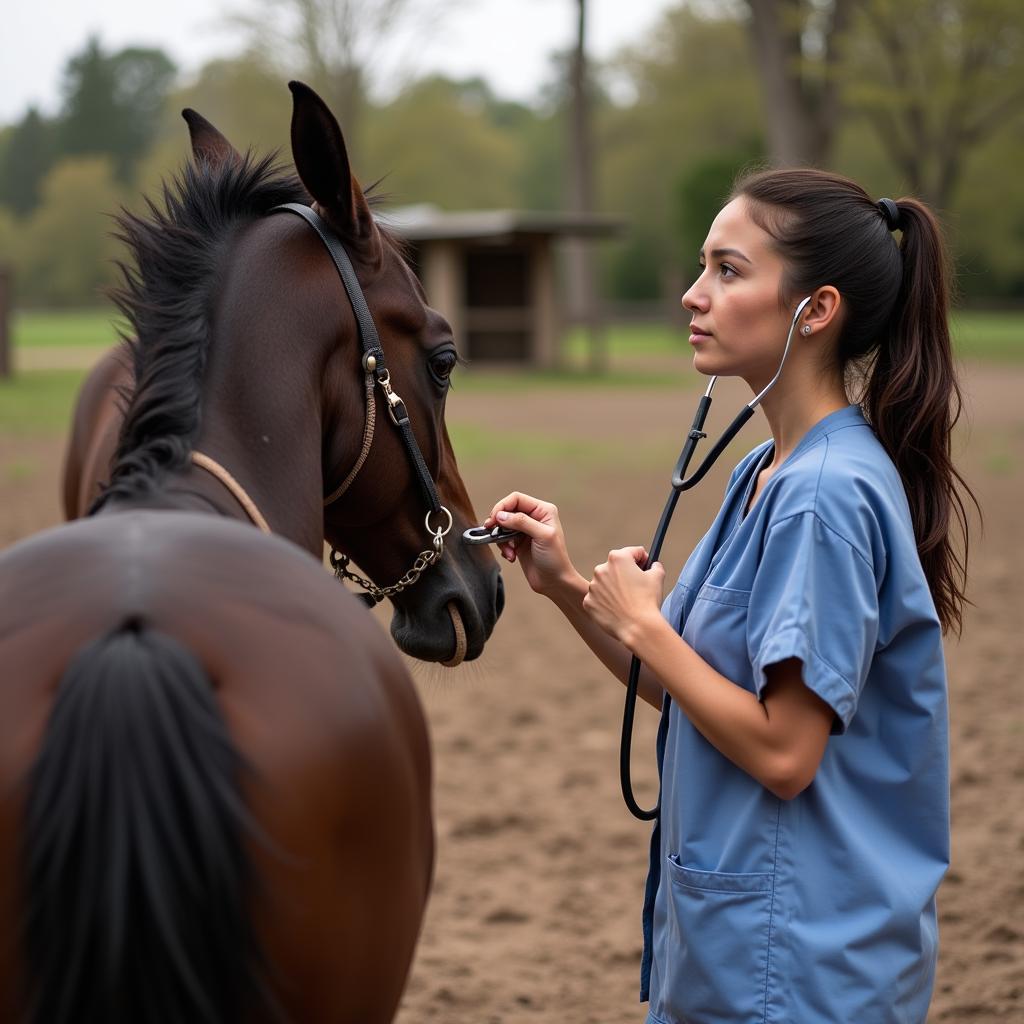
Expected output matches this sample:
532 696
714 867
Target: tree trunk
5 308
801 117
582 290
776 40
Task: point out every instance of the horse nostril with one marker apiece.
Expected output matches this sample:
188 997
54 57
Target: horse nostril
499 597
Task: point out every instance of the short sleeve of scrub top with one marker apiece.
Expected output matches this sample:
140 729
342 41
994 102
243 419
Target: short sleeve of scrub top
819 908
796 611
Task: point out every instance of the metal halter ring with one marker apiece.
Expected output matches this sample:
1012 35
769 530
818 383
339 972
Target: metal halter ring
439 532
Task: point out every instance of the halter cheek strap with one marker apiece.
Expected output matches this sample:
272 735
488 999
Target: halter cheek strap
374 365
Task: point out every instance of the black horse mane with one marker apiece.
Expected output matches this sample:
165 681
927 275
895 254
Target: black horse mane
167 298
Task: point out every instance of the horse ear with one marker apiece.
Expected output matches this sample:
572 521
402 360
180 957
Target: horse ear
318 148
208 145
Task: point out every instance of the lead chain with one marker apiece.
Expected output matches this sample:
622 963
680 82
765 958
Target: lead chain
425 559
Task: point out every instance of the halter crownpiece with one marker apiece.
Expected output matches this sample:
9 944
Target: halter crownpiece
891 213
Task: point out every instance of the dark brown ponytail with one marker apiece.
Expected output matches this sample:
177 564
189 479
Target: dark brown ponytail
894 348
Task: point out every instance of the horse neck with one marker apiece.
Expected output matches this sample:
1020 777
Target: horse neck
263 426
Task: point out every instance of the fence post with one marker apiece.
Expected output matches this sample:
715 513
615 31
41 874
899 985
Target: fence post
6 366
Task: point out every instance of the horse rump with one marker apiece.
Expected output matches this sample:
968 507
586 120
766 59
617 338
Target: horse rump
135 859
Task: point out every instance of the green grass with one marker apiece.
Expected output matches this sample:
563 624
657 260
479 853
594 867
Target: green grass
474 443
998 337
505 381
625 340
39 402
88 328
977 335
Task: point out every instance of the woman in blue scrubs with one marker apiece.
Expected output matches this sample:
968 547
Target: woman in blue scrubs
798 662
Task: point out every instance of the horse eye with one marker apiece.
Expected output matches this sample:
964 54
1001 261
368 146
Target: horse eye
442 364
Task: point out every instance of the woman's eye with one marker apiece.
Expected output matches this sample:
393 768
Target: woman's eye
442 364
728 271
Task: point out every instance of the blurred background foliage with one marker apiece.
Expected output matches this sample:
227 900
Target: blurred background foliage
918 97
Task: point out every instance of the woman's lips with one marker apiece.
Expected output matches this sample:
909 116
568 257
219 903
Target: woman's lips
696 337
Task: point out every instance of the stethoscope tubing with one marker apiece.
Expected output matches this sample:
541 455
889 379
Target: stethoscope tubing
680 483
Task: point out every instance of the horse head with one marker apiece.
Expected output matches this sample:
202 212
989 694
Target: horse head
283 293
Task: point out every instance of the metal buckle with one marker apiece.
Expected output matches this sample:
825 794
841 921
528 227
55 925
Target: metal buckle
394 400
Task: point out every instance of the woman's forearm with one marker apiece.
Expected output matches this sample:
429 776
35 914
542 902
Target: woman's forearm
568 598
731 718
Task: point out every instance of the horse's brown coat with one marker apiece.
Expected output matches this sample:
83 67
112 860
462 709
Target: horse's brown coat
313 694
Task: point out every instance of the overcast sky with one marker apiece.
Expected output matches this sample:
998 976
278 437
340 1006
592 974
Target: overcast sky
507 41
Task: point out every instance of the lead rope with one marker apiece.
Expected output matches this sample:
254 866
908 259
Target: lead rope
216 470
371 419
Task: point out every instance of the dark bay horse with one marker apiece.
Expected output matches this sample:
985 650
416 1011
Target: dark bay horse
215 798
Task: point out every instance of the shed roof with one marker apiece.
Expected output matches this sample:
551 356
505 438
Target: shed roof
426 222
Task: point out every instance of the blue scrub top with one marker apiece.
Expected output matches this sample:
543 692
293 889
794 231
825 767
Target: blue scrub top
820 908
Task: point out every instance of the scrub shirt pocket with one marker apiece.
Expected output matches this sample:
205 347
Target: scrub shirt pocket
719 925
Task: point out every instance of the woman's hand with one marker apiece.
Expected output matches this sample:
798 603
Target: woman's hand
622 597
541 551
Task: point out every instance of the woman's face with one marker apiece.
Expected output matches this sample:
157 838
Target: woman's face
738 328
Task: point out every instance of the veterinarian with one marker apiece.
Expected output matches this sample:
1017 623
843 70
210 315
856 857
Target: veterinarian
797 662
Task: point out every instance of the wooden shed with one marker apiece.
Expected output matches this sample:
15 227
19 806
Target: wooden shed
494 275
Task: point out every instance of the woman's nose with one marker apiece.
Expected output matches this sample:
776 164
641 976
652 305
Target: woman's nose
693 300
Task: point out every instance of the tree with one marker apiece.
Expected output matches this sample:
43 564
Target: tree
67 251
27 155
692 94
796 46
336 43
112 103
701 191
436 142
935 79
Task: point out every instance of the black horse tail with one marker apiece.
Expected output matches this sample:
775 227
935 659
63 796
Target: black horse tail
138 876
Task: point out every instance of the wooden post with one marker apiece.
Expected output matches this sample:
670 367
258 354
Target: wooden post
6 363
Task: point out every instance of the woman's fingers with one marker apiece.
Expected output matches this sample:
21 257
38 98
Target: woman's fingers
519 502
520 521
637 554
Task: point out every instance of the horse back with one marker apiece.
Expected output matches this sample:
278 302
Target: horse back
95 427
315 699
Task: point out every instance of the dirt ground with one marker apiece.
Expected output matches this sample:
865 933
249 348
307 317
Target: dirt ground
535 910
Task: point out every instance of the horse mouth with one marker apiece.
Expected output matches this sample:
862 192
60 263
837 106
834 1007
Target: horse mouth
460 636
450 631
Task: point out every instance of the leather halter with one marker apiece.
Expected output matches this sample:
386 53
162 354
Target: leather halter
376 372
373 355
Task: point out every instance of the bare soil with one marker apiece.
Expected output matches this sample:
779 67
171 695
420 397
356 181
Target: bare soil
535 913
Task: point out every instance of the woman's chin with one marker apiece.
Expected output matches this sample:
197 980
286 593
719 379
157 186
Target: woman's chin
705 363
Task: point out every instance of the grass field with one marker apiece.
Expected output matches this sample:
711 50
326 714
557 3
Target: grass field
40 401
977 335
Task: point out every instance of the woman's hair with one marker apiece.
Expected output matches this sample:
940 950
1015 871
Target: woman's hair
894 340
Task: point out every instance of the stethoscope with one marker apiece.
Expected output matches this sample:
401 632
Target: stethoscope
680 482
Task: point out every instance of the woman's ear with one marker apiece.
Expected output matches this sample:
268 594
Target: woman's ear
821 312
